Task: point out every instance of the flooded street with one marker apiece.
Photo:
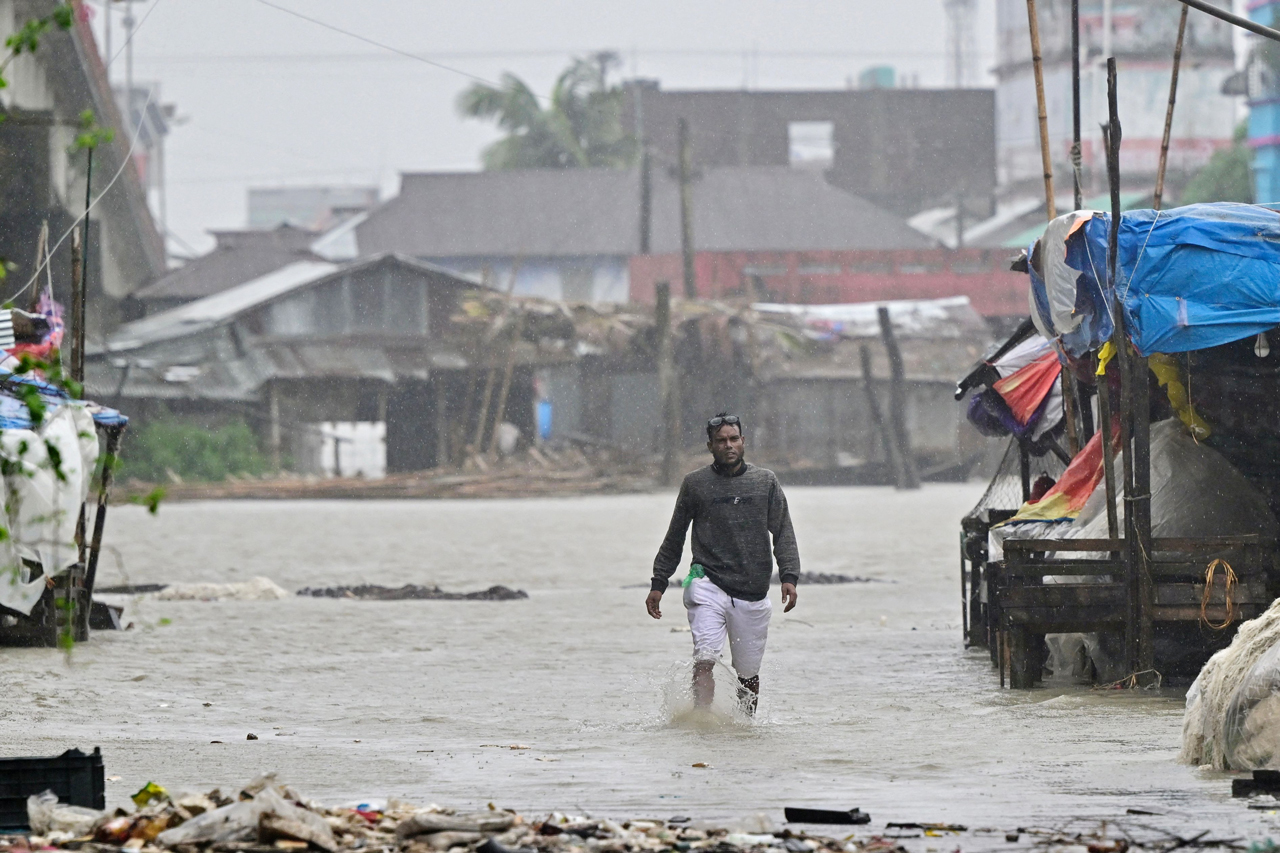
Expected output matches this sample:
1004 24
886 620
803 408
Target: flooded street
868 697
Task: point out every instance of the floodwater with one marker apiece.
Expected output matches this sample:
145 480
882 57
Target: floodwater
869 698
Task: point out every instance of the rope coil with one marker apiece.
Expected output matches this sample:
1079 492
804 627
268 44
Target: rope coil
1230 583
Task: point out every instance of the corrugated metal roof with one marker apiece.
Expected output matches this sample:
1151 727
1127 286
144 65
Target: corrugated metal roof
212 310
221 307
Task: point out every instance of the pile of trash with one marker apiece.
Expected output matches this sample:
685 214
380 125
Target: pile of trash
413 592
268 817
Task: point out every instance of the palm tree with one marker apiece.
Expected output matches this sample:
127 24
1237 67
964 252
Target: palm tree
581 126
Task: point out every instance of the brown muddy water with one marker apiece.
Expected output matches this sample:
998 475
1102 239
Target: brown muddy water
869 698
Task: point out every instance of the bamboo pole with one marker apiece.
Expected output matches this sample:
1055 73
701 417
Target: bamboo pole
77 366
70 338
1168 115
1036 65
1077 195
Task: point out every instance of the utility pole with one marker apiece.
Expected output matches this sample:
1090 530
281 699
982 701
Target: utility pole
106 40
128 56
686 212
1078 196
668 383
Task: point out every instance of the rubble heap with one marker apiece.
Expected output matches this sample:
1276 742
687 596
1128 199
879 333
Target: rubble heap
267 817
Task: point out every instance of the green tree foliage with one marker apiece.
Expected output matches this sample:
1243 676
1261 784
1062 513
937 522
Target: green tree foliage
192 451
581 126
1228 176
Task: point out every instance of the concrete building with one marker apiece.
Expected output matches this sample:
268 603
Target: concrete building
1141 35
902 149
42 177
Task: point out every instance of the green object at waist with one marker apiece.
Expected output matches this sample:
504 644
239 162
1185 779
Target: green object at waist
695 571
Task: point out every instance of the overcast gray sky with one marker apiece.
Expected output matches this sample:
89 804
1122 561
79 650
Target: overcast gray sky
272 100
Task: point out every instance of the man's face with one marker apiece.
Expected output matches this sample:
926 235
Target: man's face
727 445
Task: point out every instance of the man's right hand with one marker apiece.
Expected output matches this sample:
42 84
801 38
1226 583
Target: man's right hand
651 604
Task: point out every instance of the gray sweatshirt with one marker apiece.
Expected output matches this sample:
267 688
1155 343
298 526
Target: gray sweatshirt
734 516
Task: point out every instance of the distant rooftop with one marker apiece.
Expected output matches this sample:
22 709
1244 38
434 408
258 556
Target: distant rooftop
585 212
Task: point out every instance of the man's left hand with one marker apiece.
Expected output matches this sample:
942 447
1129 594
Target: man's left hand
788 596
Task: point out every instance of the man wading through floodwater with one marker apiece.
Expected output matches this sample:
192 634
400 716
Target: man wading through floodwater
735 508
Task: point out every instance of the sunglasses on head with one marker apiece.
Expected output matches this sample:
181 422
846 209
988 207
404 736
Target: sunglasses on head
730 420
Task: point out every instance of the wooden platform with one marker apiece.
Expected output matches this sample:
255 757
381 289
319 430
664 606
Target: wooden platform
1042 588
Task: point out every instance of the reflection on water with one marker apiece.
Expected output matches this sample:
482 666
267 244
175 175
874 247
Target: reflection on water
868 698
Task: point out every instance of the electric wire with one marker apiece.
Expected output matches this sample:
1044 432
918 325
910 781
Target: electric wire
133 31
384 46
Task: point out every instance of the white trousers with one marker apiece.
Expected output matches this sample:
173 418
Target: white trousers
715 617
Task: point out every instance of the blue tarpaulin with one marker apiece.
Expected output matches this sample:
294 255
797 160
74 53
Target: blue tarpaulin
14 413
1189 278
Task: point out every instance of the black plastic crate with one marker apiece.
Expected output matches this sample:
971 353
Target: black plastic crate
75 777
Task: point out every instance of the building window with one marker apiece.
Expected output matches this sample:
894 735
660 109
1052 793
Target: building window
811 144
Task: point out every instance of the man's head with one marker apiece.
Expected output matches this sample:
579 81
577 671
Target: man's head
725 440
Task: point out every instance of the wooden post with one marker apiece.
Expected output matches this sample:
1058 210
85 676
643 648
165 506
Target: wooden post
1108 457
442 419
667 384
1140 507
1134 415
500 411
686 213
1038 70
1067 381
1077 195
273 421
482 419
890 447
898 401
114 436
1168 115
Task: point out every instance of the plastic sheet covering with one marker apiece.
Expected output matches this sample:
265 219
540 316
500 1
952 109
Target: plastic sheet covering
1072 490
1027 400
1053 306
47 477
1025 389
1195 491
1189 278
1232 718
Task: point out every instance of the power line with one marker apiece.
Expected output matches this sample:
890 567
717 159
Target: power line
385 46
133 31
708 53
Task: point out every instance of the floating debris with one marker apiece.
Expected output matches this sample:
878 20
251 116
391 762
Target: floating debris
413 592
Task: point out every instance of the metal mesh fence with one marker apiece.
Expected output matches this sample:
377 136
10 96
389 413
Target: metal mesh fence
1005 489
